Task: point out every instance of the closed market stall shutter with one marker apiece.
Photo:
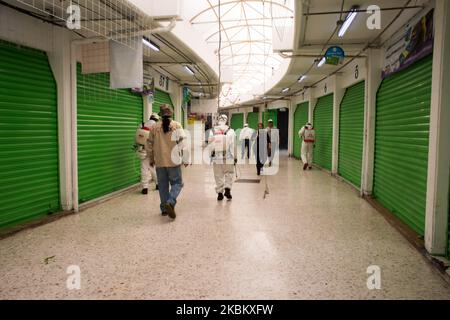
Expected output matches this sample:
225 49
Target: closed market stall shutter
182 118
270 114
107 122
237 121
300 119
323 123
29 177
351 134
252 120
401 143
160 98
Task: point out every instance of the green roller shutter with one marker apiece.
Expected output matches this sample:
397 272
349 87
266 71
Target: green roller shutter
107 122
300 119
161 98
182 118
270 114
29 178
237 121
351 134
252 120
323 123
401 143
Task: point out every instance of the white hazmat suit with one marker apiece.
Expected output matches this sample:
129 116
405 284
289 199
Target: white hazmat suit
308 136
223 155
148 173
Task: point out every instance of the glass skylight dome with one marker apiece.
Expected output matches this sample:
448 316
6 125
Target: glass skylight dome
246 38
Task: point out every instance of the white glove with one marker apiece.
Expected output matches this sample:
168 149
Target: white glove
142 154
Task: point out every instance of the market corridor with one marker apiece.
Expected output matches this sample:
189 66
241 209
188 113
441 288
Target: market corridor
312 237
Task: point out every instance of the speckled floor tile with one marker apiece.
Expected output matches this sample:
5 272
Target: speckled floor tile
311 238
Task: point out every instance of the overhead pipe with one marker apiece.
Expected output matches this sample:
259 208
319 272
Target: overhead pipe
147 32
360 10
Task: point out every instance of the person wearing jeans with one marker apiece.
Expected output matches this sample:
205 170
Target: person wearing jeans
169 176
165 147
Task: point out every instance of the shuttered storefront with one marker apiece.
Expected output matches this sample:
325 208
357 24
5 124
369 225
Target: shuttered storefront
161 98
252 120
270 114
29 178
323 123
237 121
401 143
107 122
351 134
300 119
182 118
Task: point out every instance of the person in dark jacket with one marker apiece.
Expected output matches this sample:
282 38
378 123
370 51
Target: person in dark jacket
261 144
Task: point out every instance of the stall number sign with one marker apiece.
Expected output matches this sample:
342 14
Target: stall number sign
163 82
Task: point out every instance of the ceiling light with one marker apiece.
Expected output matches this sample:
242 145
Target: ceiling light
302 77
189 70
150 44
285 90
348 21
321 62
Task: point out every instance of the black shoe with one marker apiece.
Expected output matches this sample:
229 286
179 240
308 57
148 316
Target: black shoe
156 188
309 167
228 193
170 210
305 166
144 191
220 196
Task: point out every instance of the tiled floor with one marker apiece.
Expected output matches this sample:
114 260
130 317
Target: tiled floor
311 237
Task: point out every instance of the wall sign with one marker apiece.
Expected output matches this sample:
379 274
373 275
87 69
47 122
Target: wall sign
414 43
163 82
334 55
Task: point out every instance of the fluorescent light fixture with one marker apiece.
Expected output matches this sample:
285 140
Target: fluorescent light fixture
302 77
150 44
348 21
285 90
189 70
321 62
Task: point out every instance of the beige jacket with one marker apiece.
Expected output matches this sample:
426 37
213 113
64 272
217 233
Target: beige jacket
167 149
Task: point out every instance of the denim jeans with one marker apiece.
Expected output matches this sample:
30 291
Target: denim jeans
169 176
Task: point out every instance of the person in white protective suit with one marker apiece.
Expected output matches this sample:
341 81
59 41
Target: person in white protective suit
308 135
148 172
245 136
223 152
274 141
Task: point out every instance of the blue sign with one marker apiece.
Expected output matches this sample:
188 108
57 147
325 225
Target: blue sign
334 55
